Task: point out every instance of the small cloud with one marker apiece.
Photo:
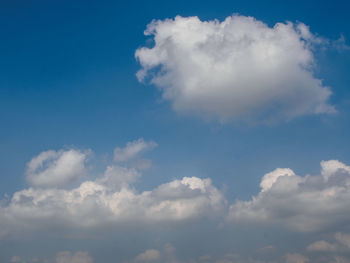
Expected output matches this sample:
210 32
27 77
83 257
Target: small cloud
16 259
77 257
322 246
132 149
56 168
340 44
150 255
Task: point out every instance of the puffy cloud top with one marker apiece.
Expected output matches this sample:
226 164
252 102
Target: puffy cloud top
270 178
109 199
309 203
333 167
93 204
234 69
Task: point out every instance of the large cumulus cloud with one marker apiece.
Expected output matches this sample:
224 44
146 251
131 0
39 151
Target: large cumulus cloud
237 68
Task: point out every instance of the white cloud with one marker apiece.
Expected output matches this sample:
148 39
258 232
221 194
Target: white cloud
132 149
150 255
55 169
167 255
331 167
95 204
77 257
309 203
270 178
235 69
111 202
110 199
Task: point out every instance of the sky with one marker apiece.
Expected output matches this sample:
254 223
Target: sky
174 132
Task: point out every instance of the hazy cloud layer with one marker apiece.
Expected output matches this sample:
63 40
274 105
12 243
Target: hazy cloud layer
341 243
234 69
78 257
150 255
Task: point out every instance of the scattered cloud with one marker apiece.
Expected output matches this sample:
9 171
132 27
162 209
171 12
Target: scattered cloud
56 168
166 254
150 255
95 203
322 246
340 44
16 259
270 178
300 204
309 203
109 199
132 149
296 258
77 257
341 244
239 68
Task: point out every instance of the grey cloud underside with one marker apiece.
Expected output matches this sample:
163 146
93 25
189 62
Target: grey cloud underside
236 69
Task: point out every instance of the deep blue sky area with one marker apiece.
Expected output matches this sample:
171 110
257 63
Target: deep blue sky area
67 79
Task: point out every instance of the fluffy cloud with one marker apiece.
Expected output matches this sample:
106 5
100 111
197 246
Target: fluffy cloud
238 68
307 203
94 204
270 178
109 199
110 202
78 257
132 149
55 169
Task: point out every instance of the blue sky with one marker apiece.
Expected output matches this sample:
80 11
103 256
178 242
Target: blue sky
68 83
